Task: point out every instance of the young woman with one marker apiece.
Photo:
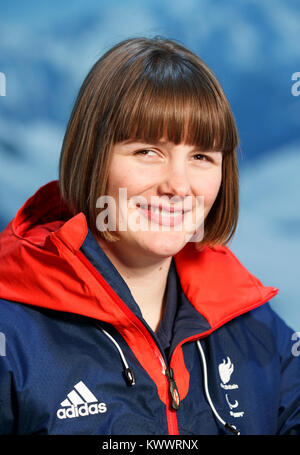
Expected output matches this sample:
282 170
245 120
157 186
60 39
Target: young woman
123 310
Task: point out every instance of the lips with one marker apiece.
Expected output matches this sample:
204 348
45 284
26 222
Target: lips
165 216
164 209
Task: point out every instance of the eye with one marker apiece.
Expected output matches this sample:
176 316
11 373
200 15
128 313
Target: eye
201 157
145 152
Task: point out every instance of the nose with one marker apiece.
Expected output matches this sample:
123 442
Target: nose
175 181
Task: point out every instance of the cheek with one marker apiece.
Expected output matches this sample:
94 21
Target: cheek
209 188
123 177
117 177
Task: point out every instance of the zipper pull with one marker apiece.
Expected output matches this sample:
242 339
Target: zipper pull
173 388
129 376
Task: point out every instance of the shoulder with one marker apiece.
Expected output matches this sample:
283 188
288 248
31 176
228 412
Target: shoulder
15 316
267 315
269 329
28 329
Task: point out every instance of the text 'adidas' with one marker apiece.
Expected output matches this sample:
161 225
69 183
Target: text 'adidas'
80 402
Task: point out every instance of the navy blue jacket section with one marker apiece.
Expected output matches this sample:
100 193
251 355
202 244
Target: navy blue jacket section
253 370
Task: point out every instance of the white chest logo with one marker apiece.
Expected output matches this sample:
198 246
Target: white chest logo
80 402
226 369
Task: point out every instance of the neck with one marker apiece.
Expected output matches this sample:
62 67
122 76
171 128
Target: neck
146 279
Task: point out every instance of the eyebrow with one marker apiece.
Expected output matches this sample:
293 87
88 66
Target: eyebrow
164 143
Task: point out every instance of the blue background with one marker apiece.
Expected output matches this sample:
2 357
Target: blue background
253 47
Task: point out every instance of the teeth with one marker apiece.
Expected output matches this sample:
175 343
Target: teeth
164 212
157 210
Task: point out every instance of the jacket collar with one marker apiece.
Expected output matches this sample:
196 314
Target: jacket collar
40 265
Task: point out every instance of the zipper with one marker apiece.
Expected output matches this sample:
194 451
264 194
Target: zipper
168 372
173 400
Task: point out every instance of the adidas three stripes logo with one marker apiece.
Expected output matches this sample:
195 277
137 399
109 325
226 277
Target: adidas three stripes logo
80 402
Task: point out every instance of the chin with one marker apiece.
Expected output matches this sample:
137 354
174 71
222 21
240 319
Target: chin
165 245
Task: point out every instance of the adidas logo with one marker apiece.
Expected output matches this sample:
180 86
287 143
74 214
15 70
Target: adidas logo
80 402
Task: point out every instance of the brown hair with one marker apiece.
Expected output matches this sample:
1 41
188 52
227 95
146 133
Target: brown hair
148 88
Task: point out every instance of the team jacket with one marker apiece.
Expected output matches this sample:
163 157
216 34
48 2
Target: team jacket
77 357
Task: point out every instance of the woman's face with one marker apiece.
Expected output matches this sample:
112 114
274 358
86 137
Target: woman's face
180 178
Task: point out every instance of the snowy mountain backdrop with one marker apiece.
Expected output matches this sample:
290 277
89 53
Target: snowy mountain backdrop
47 48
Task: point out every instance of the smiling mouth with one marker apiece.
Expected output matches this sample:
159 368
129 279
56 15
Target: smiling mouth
166 211
159 215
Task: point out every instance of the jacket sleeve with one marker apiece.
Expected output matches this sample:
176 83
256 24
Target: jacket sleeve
289 351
